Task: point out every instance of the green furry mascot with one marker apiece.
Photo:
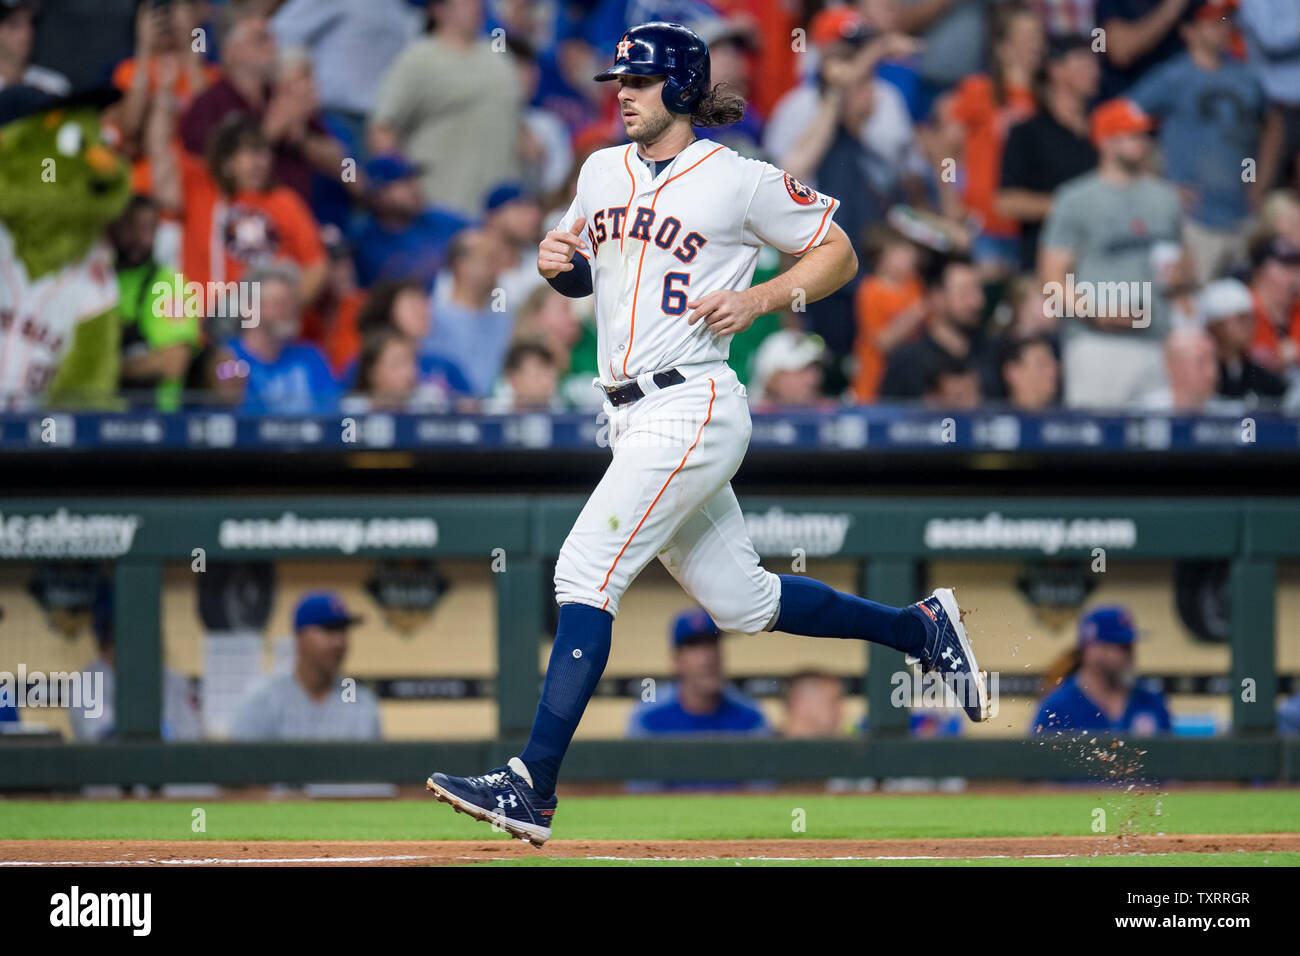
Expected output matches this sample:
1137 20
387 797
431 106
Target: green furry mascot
60 185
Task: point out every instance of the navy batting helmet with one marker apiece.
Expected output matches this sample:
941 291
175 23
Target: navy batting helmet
668 50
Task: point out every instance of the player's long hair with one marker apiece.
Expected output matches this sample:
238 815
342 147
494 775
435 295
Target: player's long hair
721 106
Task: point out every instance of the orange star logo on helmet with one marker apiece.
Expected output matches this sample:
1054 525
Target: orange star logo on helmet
624 48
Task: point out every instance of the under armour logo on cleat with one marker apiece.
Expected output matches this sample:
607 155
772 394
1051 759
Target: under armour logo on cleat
507 800
950 657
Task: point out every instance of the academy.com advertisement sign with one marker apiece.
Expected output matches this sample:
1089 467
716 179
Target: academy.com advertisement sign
993 532
290 532
64 534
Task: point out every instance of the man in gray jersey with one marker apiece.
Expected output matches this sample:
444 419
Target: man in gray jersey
308 701
1110 251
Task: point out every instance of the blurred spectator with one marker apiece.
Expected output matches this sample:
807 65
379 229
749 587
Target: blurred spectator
1192 371
234 216
699 700
1288 716
402 237
1210 107
453 105
1272 32
545 151
1229 315
951 383
814 706
83 39
404 307
733 43
162 33
1275 288
17 38
1094 686
529 383
278 93
983 107
331 321
309 702
1030 373
180 712
472 324
387 374
953 34
889 306
1140 35
286 376
850 135
1050 148
1030 313
514 217
1066 17
954 303
788 372
551 318
351 47
217 379
1105 232
159 338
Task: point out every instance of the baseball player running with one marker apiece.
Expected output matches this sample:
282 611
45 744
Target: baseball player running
666 231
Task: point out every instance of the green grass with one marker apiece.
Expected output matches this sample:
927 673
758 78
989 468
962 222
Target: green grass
1170 859
732 817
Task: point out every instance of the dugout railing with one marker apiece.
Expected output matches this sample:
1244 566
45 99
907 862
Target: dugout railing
887 539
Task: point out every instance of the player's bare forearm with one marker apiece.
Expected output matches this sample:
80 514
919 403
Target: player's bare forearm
818 273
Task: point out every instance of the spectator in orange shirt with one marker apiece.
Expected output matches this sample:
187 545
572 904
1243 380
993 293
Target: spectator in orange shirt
162 33
233 216
982 109
1275 289
889 308
332 322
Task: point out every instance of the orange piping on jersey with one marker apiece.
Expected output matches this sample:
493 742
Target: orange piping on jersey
636 289
818 232
712 394
632 195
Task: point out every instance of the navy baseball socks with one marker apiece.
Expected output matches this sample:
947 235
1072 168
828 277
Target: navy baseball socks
813 609
519 798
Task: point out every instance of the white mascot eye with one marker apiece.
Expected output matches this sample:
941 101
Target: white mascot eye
68 140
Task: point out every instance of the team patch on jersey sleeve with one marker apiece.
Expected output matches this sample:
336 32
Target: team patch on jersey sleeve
799 192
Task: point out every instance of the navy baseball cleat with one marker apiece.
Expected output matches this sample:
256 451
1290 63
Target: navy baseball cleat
504 798
948 653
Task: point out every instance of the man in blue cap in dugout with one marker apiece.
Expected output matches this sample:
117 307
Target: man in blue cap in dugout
309 701
1099 691
699 701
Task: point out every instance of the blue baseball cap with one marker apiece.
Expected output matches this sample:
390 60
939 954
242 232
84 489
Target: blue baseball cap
692 625
322 609
388 169
505 193
1110 624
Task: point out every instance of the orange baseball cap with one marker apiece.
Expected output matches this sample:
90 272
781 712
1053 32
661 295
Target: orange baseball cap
835 24
1117 117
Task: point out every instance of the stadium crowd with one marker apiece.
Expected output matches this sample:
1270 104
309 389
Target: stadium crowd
1055 203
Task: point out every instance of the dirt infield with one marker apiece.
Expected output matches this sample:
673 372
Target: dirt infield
450 852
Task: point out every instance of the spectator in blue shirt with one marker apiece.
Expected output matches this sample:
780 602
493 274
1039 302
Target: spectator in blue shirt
286 376
1211 110
1100 693
402 237
699 700
473 319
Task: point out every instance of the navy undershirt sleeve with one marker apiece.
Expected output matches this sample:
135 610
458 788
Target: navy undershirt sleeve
577 282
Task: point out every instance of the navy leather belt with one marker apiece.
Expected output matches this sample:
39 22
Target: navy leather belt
631 391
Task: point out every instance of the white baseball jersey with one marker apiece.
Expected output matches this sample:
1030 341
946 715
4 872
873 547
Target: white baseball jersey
39 319
656 242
